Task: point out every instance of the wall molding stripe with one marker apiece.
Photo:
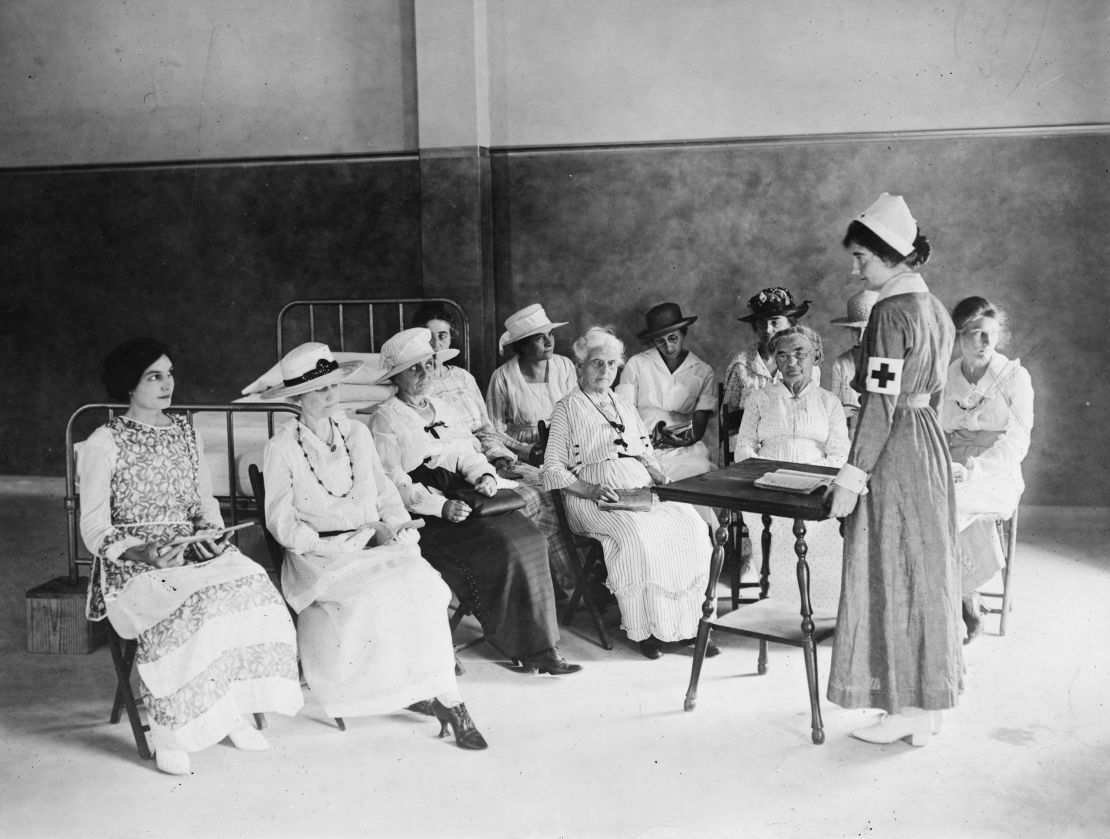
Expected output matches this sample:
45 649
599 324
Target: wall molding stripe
811 139
217 163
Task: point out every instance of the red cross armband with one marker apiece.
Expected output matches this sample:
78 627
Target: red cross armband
884 375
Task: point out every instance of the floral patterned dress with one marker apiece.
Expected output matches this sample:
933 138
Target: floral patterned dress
214 638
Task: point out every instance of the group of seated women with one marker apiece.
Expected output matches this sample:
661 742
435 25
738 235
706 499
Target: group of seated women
449 494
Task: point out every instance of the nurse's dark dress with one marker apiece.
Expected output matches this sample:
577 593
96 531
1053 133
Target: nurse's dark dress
898 637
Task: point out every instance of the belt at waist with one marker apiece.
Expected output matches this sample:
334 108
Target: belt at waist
912 400
324 534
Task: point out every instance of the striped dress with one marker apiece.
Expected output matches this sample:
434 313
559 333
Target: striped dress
658 561
214 638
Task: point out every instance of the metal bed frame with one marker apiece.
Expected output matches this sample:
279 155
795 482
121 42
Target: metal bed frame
232 502
383 316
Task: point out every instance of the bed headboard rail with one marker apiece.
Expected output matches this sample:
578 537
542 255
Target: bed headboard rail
360 325
86 418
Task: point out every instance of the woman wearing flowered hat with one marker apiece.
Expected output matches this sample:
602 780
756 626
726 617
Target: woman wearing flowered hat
897 645
772 310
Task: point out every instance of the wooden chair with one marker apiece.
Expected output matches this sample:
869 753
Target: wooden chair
123 659
728 423
276 551
588 559
1007 533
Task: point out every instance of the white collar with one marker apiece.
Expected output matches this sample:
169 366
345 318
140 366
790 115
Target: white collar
909 282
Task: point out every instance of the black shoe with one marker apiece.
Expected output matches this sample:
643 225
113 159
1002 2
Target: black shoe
424 706
651 647
467 735
549 661
711 649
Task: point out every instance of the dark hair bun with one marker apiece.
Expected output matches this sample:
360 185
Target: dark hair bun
922 250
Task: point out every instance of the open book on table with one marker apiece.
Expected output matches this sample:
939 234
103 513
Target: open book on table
793 480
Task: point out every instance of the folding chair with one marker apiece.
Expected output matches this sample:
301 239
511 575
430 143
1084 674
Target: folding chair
728 422
1007 533
588 558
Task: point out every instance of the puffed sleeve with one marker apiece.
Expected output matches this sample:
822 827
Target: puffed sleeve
392 444
747 437
556 472
282 518
886 336
96 461
391 509
1008 451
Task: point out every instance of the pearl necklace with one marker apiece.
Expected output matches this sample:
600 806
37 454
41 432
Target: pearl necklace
347 451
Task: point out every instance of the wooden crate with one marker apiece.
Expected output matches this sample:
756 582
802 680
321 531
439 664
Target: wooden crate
56 619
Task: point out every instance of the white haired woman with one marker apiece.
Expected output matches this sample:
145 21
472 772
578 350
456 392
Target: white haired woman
658 560
524 389
795 420
372 614
496 565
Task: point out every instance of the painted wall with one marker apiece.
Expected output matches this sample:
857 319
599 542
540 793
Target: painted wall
107 81
582 71
601 236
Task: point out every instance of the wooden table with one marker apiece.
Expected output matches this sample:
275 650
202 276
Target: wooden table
733 489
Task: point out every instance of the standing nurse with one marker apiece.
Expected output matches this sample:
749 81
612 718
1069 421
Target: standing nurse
898 644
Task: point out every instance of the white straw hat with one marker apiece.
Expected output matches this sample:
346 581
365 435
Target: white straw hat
889 218
860 305
409 347
531 320
309 367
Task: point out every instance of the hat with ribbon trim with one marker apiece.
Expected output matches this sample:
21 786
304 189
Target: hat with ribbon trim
529 321
309 367
664 318
774 302
409 347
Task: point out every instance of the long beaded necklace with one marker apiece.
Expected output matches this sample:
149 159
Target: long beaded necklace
312 469
617 425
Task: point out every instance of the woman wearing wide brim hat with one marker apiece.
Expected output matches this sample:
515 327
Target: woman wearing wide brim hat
752 369
497 565
673 391
309 367
844 367
524 389
901 648
368 604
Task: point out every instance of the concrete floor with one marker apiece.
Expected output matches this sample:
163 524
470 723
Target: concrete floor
608 752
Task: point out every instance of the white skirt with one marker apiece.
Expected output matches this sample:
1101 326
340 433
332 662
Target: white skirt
215 642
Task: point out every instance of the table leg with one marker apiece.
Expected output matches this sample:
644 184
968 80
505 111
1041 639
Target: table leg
809 649
765 570
717 559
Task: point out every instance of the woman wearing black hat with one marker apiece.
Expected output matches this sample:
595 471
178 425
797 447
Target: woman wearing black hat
673 391
772 310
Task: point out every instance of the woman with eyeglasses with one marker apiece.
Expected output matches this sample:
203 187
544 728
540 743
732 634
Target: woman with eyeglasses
673 391
987 414
657 558
795 420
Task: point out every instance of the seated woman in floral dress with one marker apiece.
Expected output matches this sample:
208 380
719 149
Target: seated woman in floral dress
657 559
372 614
795 420
459 389
987 416
215 639
496 565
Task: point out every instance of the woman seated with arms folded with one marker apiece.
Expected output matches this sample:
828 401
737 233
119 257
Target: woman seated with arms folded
372 614
458 388
795 420
215 642
497 564
524 389
658 559
673 391
987 416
